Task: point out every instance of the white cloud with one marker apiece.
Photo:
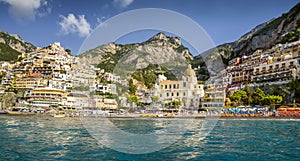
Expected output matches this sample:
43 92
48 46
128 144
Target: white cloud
26 10
71 25
122 3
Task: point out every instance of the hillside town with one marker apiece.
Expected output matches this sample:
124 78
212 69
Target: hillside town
52 80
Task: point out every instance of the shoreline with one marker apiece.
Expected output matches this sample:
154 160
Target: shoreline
157 118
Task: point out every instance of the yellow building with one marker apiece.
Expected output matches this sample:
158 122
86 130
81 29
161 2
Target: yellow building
46 97
30 83
107 104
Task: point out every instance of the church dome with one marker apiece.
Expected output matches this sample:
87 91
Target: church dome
189 71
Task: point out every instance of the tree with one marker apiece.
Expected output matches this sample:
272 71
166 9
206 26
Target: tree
132 88
249 94
154 98
294 87
133 99
176 103
258 96
239 97
272 99
68 51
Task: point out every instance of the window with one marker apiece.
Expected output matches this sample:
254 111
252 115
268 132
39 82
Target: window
183 93
167 94
177 94
174 86
166 86
170 86
172 94
184 84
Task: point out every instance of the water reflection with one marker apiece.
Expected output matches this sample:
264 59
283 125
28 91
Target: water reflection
136 136
29 138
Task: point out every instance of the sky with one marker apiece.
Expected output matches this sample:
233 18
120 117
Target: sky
43 22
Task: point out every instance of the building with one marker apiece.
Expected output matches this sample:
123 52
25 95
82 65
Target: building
46 97
110 77
279 69
214 96
187 90
278 65
30 83
77 100
107 104
104 88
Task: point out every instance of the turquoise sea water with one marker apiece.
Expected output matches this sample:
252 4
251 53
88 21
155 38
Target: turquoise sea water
37 138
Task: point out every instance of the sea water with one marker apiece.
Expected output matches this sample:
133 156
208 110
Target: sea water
44 138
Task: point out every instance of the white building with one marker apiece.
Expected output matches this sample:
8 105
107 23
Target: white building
187 90
77 100
104 88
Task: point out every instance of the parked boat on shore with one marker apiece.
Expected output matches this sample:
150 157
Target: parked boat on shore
20 111
3 112
59 115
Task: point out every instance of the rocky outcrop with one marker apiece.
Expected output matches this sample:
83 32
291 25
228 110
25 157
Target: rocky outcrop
159 49
263 36
12 45
15 42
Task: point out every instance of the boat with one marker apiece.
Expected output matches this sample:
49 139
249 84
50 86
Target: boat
3 112
59 115
20 111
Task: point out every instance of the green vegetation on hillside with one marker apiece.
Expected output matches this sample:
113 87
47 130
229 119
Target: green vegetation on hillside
110 60
285 18
2 74
81 88
7 53
290 37
148 75
203 73
12 40
180 48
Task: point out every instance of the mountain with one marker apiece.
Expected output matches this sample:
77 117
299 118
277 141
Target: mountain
159 49
12 45
285 28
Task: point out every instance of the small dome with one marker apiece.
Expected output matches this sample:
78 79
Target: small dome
189 71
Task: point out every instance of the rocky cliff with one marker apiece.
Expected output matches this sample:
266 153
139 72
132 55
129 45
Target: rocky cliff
159 49
12 45
263 36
